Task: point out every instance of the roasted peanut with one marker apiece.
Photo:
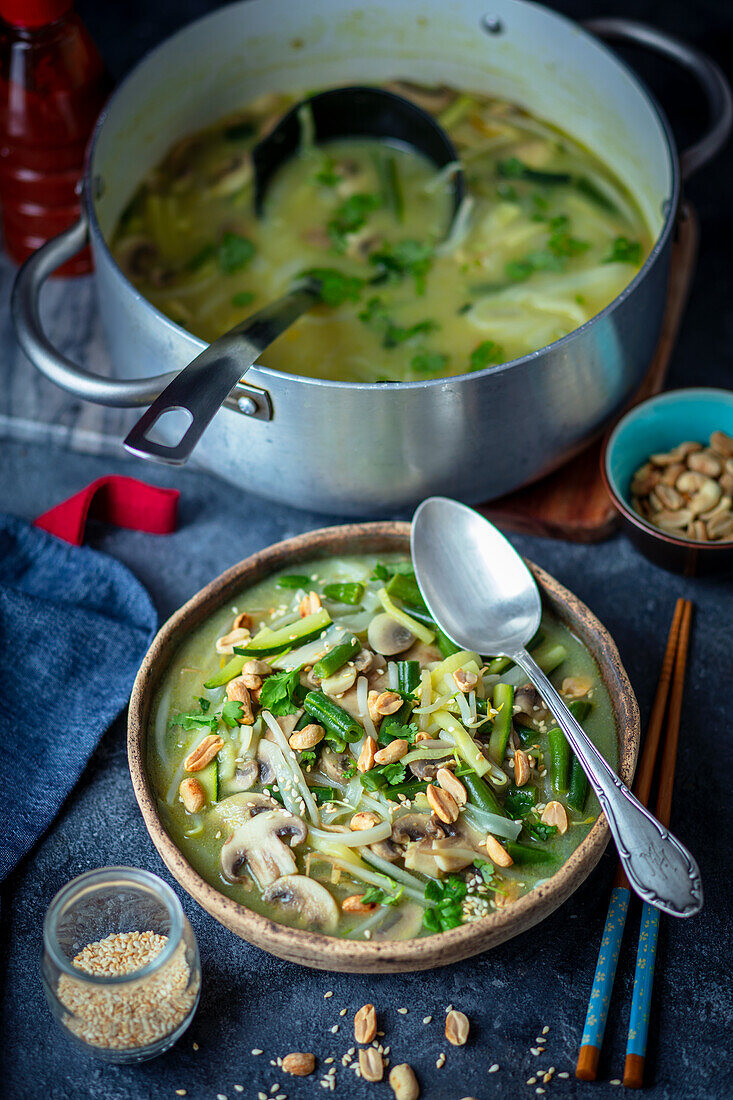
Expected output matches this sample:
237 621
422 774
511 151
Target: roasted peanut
443 805
192 795
403 1082
239 693
554 814
365 819
392 752
388 702
522 769
243 621
257 668
497 852
204 753
447 780
309 604
365 1024
464 680
366 757
299 1064
371 1064
456 1028
307 738
354 904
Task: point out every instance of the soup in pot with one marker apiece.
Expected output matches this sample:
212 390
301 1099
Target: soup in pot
546 237
323 754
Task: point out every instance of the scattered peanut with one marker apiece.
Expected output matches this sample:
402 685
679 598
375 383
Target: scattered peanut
257 668
388 702
456 1028
192 795
309 604
227 643
497 852
237 692
366 756
204 753
554 814
464 680
299 1064
447 780
354 904
365 1024
575 687
243 621
522 769
392 752
403 1082
365 819
442 804
307 738
371 1064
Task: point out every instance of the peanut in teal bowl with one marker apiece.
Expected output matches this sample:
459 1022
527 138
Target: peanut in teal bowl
658 425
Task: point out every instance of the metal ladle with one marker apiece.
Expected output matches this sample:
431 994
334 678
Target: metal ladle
483 596
204 384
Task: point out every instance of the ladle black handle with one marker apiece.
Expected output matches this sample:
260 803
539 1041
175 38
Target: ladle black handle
204 384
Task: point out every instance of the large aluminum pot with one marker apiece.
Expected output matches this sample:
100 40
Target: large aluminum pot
353 448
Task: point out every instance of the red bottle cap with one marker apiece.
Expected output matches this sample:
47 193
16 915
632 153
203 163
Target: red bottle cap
33 13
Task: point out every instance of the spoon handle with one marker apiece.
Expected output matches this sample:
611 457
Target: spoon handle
201 388
658 866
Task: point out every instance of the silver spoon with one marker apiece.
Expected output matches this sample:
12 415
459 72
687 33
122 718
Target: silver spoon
204 384
485 599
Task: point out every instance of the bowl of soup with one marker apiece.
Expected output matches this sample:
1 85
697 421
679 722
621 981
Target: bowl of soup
464 366
334 780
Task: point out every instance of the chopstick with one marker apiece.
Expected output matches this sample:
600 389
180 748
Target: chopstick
648 932
600 997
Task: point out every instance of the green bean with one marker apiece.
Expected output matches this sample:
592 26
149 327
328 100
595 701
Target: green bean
333 718
324 794
336 658
524 853
405 587
578 793
344 593
549 655
481 794
293 580
503 702
561 756
501 664
408 675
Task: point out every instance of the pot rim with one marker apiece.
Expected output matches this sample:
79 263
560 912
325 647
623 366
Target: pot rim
272 375
622 505
317 949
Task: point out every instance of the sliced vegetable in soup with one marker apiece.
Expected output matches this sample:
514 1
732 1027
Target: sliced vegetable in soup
546 238
324 755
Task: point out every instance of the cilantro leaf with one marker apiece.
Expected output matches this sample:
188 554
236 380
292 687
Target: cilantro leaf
429 362
375 316
194 721
307 757
409 257
448 911
485 869
539 830
204 704
235 252
335 288
276 693
394 773
391 729
624 251
350 217
486 354
231 715
381 897
519 801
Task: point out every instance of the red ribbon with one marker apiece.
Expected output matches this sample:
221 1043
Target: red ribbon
122 501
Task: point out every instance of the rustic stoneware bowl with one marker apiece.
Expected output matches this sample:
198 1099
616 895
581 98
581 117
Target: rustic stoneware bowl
314 949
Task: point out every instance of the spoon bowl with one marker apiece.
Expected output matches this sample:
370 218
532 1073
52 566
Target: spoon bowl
483 596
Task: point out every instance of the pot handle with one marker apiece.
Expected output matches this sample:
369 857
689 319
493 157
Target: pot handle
707 72
24 305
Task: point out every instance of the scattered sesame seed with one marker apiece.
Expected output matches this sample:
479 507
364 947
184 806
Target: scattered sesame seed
494 1068
334 1029
535 1051
274 1088
539 1092
327 995
563 1074
256 1051
195 1046
449 1008
220 1096
367 934
545 1029
239 1088
547 1077
551 1069
328 1061
402 1011
615 1081
343 1011
531 1080
261 1096
180 1092
427 1019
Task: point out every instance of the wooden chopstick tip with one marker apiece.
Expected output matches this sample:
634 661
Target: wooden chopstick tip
634 1071
587 1067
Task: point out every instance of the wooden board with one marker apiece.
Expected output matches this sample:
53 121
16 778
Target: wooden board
571 503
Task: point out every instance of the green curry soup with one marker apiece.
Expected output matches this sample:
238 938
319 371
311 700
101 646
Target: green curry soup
546 237
323 754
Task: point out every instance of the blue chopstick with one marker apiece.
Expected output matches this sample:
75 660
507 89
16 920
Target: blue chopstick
643 981
600 997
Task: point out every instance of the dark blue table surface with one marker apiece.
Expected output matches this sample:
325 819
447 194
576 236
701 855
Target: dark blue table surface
251 1000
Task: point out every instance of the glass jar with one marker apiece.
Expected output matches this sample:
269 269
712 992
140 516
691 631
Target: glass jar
120 963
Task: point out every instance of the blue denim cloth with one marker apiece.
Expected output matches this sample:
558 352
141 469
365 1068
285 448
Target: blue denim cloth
74 627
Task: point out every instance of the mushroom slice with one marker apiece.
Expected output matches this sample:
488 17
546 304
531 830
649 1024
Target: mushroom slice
305 899
238 808
337 766
386 849
529 703
436 858
245 776
386 636
257 847
412 827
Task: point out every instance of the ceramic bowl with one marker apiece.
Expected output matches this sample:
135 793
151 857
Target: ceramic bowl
314 949
654 426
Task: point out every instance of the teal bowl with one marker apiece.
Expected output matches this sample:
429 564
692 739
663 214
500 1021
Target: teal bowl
658 425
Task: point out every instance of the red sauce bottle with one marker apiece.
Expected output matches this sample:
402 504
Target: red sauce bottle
53 84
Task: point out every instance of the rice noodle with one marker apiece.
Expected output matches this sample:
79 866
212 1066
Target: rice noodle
358 871
441 177
426 690
293 765
459 228
362 696
464 708
492 823
439 704
392 675
399 873
357 838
